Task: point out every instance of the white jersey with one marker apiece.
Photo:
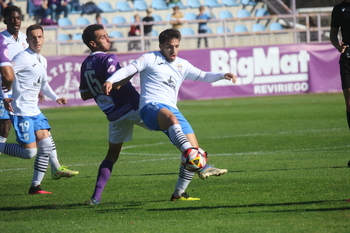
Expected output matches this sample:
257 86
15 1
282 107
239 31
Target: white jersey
161 80
15 46
31 76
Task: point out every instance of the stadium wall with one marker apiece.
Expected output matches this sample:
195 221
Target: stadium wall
261 70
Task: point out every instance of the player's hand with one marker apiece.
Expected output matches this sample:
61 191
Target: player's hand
230 76
7 104
107 87
41 97
61 101
342 47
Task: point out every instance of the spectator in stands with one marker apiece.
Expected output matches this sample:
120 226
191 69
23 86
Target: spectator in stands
202 26
3 5
177 18
147 28
57 7
135 31
38 9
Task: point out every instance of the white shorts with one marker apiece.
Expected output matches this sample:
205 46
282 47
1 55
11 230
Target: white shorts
121 130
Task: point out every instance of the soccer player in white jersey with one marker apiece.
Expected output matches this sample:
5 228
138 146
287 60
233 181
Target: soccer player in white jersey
161 75
31 126
17 42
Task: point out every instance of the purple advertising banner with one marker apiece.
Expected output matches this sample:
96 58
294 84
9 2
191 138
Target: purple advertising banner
261 71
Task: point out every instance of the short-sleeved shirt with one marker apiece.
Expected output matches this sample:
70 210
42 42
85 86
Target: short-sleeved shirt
15 45
203 25
341 18
4 56
95 70
161 80
30 70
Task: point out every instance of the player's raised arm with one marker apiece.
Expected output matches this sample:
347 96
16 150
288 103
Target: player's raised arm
119 77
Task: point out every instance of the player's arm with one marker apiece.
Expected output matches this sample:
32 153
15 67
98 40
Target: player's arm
7 76
119 78
47 90
333 36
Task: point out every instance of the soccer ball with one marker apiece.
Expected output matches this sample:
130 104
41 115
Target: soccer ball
194 159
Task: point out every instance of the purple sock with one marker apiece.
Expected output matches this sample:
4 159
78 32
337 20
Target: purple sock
104 172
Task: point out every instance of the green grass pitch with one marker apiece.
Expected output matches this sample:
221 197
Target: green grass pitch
286 155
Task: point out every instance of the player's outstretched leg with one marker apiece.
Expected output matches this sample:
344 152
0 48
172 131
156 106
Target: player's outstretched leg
210 170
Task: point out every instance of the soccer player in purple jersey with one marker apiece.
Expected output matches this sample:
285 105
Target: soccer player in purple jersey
120 107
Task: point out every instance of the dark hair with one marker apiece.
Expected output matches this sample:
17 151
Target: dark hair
33 27
169 34
8 10
89 33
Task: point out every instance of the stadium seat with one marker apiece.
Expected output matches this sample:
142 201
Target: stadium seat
189 16
157 18
119 20
221 29
179 4
77 36
63 37
155 32
123 6
276 26
105 7
243 13
258 27
212 3
193 3
64 22
82 21
140 5
225 14
248 2
261 12
187 31
229 3
209 31
115 34
239 28
159 5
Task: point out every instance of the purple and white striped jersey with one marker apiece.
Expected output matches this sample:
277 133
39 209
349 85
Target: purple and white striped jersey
95 70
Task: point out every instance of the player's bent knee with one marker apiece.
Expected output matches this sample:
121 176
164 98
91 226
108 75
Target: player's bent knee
29 153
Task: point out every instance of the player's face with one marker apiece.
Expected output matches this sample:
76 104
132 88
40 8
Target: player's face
13 22
170 49
35 40
102 43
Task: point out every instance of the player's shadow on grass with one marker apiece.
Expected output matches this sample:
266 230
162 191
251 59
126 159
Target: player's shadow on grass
261 205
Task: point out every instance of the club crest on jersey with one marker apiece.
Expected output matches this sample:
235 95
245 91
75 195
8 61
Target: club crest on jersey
179 67
111 69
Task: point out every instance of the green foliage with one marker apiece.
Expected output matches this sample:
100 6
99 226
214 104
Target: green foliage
286 155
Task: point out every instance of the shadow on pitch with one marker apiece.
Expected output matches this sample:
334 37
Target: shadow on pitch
262 205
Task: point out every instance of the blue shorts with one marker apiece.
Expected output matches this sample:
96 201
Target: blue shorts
4 114
149 114
26 126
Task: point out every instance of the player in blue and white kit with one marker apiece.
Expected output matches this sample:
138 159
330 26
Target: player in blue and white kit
161 75
17 42
120 106
6 71
31 126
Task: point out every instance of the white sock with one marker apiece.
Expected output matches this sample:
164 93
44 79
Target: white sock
41 161
178 138
2 139
183 181
55 164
